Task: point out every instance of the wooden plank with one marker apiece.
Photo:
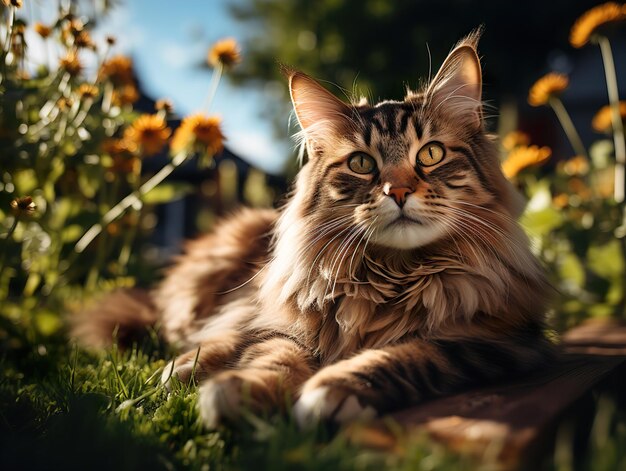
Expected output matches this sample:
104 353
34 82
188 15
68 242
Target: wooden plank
500 423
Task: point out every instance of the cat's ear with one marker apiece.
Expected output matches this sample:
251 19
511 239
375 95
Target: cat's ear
317 110
458 84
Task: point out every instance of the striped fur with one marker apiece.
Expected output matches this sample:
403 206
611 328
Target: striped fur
367 291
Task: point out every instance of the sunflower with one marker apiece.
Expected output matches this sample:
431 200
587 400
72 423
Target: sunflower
65 103
119 148
546 87
149 132
125 95
119 70
578 165
603 122
515 139
591 20
42 30
82 39
71 64
560 201
165 105
225 52
87 90
198 131
522 157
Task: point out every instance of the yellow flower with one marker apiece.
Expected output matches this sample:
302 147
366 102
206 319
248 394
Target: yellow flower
560 201
42 30
24 206
87 91
64 103
578 187
225 52
515 139
163 104
547 86
119 148
124 165
149 132
198 131
578 165
71 63
119 70
125 95
83 39
591 20
603 122
522 157
22 75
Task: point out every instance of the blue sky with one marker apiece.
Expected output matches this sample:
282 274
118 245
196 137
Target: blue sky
167 40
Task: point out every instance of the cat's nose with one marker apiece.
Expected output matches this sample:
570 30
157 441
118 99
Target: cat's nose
399 194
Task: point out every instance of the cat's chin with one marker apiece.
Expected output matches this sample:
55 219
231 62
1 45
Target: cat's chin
406 236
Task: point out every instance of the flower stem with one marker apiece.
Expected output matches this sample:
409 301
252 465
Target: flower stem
131 233
5 247
130 200
568 126
215 80
618 125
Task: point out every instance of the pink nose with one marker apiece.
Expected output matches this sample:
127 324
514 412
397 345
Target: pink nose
399 195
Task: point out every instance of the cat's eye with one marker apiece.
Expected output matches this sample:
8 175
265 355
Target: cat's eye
361 163
431 154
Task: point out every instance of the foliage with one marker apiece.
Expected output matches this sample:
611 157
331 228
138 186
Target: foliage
73 195
388 45
576 215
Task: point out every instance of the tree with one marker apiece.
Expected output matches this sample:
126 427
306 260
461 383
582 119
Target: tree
384 45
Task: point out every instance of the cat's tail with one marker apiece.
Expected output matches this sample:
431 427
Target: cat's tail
124 317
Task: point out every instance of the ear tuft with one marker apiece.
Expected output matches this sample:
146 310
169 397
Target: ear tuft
316 108
458 84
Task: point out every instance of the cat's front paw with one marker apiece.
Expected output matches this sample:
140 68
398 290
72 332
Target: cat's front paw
329 404
182 368
219 400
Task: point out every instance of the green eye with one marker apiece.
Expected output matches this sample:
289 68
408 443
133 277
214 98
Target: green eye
431 154
361 163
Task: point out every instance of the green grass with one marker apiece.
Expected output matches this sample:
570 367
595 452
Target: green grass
64 408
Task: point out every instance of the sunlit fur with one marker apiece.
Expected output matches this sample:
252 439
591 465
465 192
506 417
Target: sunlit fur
365 292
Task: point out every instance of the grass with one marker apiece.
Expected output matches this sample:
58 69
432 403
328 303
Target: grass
65 408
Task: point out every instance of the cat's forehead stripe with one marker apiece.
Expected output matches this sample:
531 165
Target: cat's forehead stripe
390 118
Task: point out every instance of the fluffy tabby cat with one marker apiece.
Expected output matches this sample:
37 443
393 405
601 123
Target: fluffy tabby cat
395 272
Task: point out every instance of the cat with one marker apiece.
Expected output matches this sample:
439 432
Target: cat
395 272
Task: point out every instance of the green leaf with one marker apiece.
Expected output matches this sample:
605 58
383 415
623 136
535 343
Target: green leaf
606 260
571 270
542 222
601 310
71 233
25 181
47 322
166 192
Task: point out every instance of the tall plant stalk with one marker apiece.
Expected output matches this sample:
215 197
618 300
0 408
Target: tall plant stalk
568 126
616 118
133 199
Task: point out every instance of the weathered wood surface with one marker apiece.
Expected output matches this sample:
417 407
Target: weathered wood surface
503 424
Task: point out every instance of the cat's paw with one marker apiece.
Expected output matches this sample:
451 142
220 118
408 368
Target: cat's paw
219 400
328 404
181 368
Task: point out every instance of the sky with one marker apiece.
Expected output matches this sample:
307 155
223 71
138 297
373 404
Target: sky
167 40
